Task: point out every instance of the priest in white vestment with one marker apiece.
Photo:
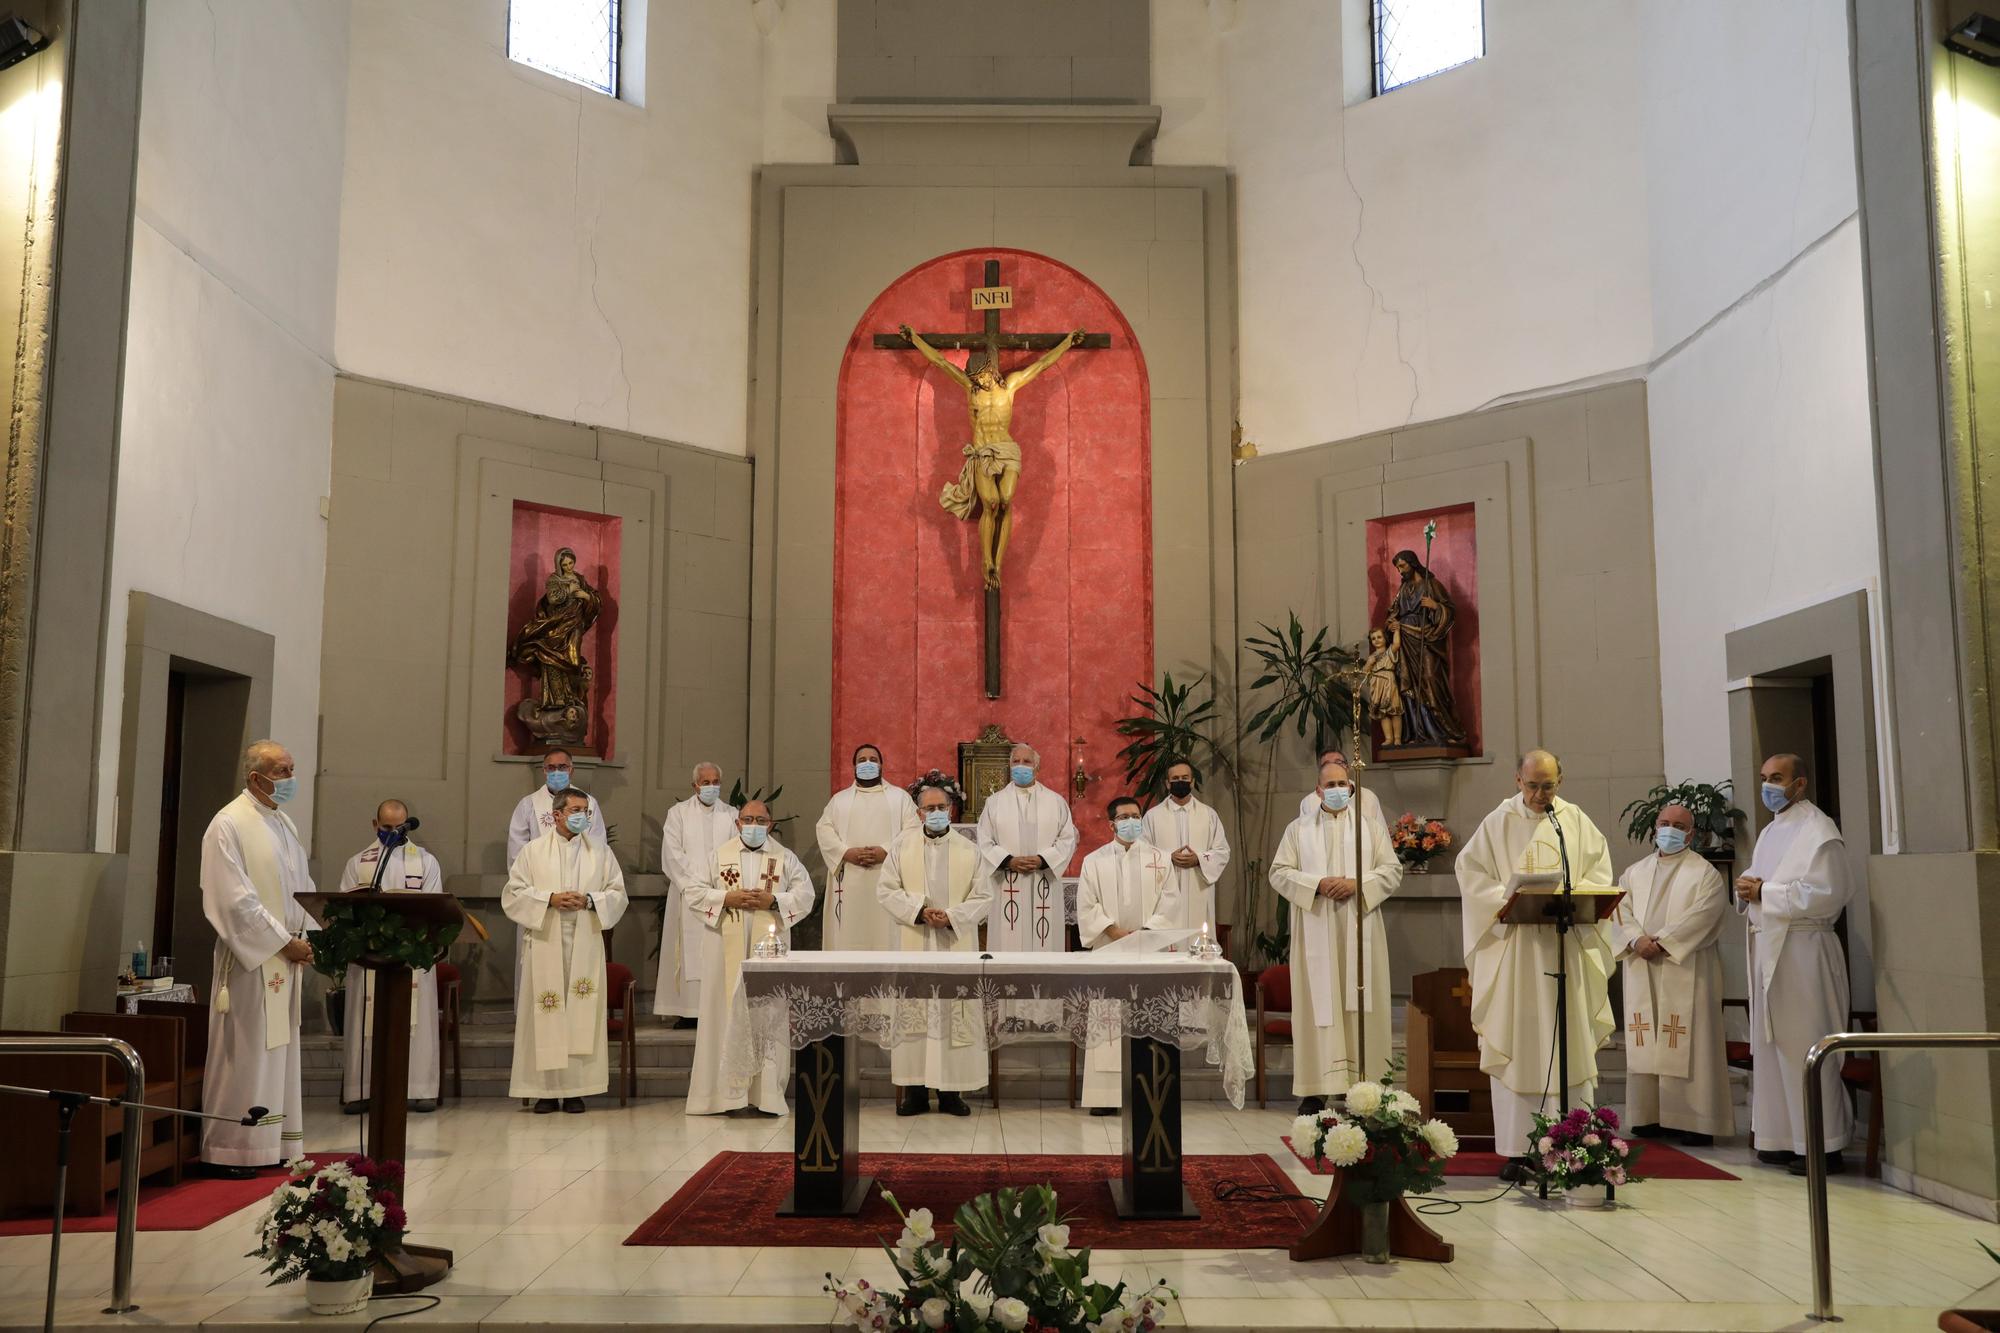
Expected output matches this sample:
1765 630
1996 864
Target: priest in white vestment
1125 885
1190 832
1370 803
564 892
534 815
933 891
1513 967
253 868
1026 838
754 887
1340 983
854 836
410 869
1665 931
1796 887
689 836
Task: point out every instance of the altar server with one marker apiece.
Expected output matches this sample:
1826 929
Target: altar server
1794 891
1190 832
1026 838
854 836
564 892
1340 989
410 869
1125 885
1512 967
534 815
1370 803
754 887
689 836
1665 931
253 868
932 890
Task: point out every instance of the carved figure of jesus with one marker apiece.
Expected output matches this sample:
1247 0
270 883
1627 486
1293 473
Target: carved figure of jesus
992 460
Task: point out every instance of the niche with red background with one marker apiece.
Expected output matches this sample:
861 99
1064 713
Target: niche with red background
1454 560
539 531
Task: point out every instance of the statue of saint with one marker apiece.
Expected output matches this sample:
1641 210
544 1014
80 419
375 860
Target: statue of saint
1419 625
993 460
551 642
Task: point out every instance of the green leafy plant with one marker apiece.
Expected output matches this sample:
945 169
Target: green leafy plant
1715 819
350 932
1173 727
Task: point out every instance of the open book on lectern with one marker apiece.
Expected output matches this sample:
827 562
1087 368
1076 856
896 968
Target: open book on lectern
1532 895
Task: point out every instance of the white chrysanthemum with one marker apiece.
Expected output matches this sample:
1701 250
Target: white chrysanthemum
1402 1103
377 1213
1305 1131
1346 1144
1442 1139
299 1231
1011 1313
337 1248
1363 1098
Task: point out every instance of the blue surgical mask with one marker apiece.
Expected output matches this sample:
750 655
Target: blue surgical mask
1774 797
1336 798
558 781
576 821
937 821
386 836
1130 830
709 793
283 789
1670 840
1023 775
867 770
753 835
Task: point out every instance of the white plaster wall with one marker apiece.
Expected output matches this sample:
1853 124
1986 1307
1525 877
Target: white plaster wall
228 398
798 73
1187 82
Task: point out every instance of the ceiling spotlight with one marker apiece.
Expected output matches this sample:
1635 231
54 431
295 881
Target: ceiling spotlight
1978 36
18 41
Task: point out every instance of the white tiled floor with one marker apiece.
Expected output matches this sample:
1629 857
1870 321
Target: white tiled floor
536 1209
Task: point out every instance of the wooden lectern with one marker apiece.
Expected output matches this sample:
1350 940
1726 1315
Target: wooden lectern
413 1267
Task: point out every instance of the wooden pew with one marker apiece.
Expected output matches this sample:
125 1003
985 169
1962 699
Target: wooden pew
1443 1053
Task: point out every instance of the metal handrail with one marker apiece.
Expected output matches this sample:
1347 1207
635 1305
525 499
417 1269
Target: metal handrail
1822 1240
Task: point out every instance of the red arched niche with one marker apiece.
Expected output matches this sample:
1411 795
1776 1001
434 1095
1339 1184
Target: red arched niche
1077 607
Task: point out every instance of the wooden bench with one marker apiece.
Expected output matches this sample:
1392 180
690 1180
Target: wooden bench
193 1018
96 1134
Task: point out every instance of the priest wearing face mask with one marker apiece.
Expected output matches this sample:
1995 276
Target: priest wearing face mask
1370 803
932 890
1026 838
564 892
410 869
1190 832
1794 892
1666 930
689 836
754 888
535 815
1124 886
854 836
1339 990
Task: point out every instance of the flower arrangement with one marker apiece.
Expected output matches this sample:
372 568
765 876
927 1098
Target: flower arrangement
1418 840
1381 1143
1581 1148
1009 1267
327 1223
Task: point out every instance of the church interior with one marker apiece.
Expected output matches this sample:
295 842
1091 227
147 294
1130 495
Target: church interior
1302 621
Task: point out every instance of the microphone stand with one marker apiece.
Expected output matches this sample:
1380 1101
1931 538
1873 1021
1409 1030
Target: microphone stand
1565 915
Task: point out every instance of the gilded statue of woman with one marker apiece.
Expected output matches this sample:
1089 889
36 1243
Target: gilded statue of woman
1420 620
552 643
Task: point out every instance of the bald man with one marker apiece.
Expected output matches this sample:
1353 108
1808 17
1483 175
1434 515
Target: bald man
1368 803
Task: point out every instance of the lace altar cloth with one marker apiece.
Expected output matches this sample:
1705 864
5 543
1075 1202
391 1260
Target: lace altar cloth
889 998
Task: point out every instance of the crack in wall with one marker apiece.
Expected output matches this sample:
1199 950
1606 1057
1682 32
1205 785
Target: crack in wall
1374 292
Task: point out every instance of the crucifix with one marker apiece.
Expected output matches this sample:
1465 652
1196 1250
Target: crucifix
986 483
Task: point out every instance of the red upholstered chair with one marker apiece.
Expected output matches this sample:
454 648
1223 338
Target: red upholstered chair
1274 1016
450 996
622 1009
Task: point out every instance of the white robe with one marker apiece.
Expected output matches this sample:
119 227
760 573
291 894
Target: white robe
860 817
253 868
534 816
689 836
560 1002
729 936
1798 976
1027 908
1371 806
1512 967
1172 825
941 872
1339 989
1676 1052
1132 887
411 870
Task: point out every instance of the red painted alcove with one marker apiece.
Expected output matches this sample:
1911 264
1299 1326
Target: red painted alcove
539 531
1454 559
1077 606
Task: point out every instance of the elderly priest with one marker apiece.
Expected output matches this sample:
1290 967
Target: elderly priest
1314 871
534 816
410 869
1189 831
689 836
253 868
564 892
1026 838
1126 885
1513 993
932 888
1665 930
854 836
754 888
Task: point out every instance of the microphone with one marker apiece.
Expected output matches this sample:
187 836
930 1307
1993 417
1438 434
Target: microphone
408 826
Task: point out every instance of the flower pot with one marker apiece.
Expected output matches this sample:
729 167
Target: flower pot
1375 1233
1587 1196
1418 867
343 1296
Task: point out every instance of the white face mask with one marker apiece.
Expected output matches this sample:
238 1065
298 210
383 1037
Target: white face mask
709 793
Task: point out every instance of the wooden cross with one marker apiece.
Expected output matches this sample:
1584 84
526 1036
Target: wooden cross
1462 992
1673 1031
1640 1027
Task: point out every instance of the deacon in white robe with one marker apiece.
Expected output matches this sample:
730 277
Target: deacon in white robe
564 892
1796 887
1340 985
1190 832
253 868
932 889
854 836
1371 804
410 869
1513 967
1666 931
1124 886
534 815
1026 838
689 836
754 886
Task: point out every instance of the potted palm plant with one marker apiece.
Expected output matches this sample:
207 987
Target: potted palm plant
1715 819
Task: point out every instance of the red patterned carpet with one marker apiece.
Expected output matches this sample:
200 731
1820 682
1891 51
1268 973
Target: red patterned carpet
188 1206
1657 1162
731 1200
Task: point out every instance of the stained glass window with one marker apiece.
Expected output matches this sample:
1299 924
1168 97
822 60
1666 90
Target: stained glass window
571 39
1415 39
